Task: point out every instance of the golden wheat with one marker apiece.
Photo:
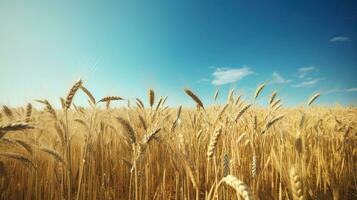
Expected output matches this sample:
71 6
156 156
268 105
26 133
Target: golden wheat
151 96
177 153
194 97
241 188
259 90
313 98
213 143
296 185
71 93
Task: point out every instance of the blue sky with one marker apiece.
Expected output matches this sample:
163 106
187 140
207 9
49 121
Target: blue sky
126 47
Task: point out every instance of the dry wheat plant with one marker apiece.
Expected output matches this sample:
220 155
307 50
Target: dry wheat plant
238 150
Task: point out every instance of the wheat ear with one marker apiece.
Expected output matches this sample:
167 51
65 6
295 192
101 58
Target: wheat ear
296 185
49 108
241 112
7 111
216 94
272 122
230 95
151 96
18 157
71 93
219 115
139 103
272 97
259 90
194 98
128 129
240 187
213 143
226 165
110 98
89 94
313 98
16 126
53 153
28 112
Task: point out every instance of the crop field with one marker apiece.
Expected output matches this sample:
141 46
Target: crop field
148 150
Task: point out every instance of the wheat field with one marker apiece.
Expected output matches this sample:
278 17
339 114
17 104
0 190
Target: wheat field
147 150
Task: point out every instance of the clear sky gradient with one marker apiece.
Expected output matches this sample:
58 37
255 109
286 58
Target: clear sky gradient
126 47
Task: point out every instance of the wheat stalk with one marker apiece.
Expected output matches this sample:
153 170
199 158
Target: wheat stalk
3 170
59 129
164 100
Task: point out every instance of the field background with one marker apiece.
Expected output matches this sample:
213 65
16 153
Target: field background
148 150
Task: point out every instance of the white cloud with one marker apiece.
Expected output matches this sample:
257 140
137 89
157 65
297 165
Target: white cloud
308 83
277 78
336 90
227 75
306 69
340 39
331 91
303 71
351 90
203 80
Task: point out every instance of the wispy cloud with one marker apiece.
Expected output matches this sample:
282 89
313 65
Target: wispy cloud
277 78
340 39
351 89
336 90
203 80
308 83
306 69
332 91
230 75
303 71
